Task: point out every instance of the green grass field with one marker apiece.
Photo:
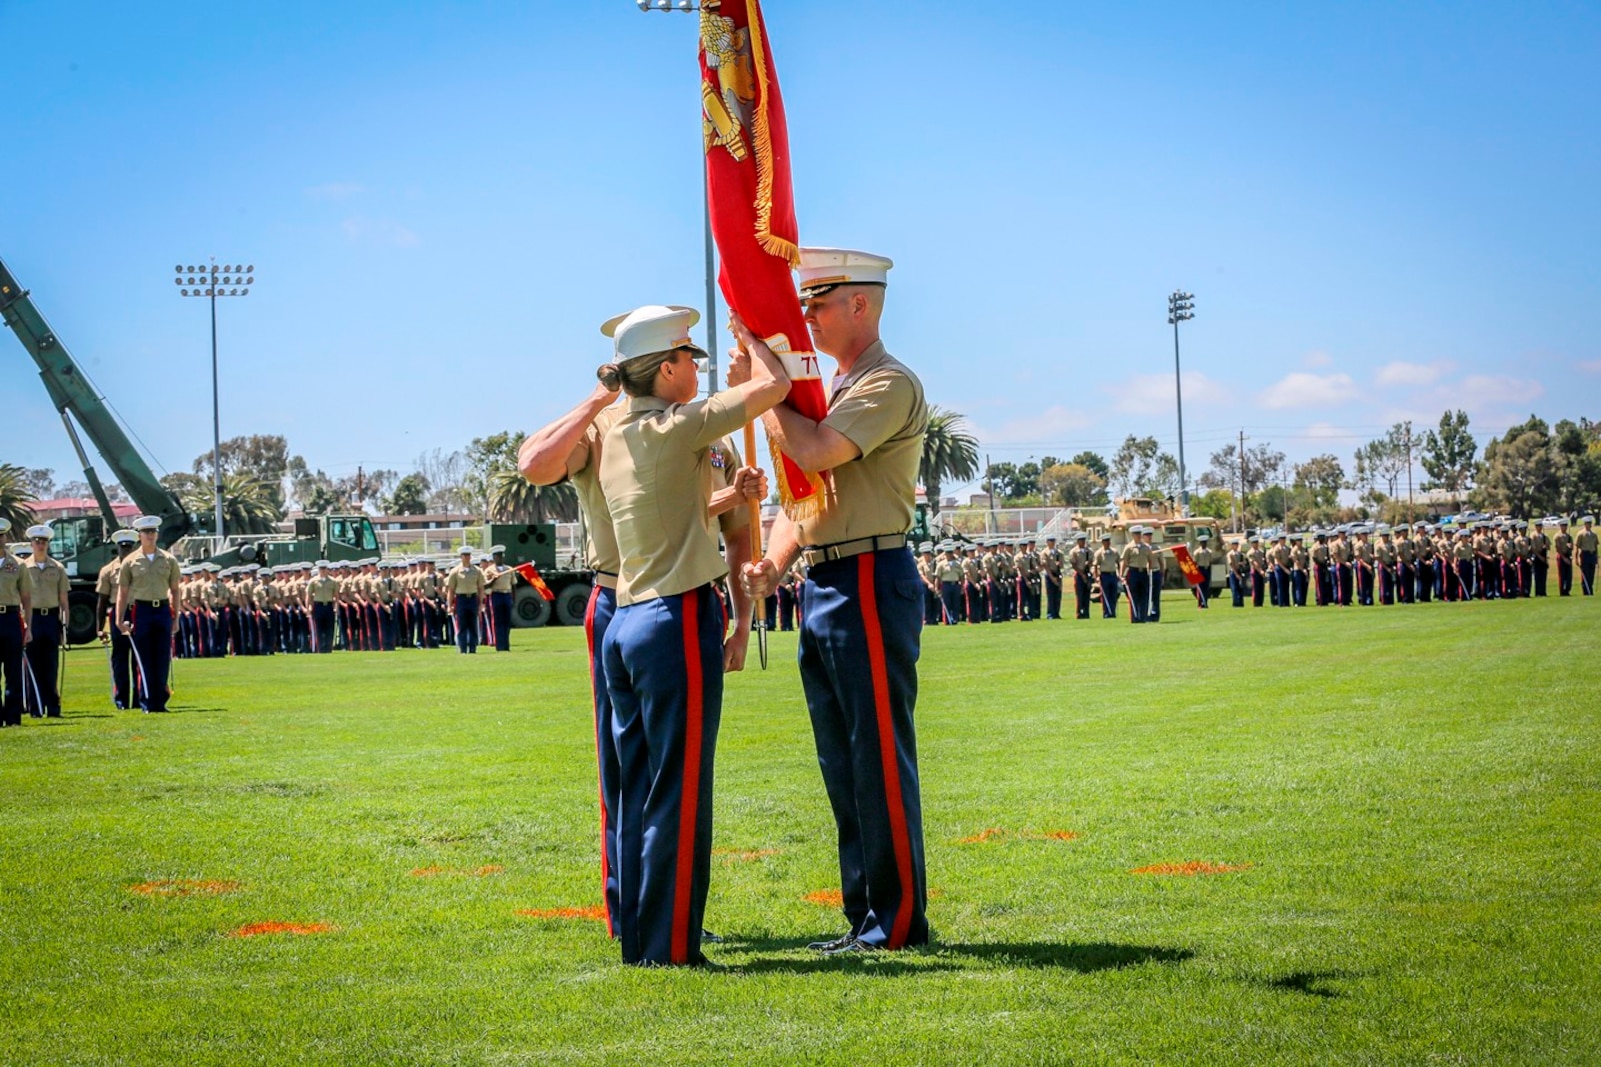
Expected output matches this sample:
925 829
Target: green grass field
1410 795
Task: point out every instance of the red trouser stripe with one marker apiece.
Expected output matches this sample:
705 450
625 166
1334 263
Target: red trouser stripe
691 784
594 697
899 836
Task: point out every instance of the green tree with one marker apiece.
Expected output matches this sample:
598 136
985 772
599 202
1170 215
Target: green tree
513 498
1011 482
1132 466
262 458
485 458
323 501
1450 455
950 454
1262 466
1576 455
1384 460
1212 503
248 505
16 500
1321 478
1072 485
410 496
1519 474
1094 462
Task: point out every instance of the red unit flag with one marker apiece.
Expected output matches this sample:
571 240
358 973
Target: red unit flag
753 210
1187 564
531 573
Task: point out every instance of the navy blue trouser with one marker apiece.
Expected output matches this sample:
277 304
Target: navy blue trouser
1081 596
466 623
1109 588
500 614
322 626
121 669
951 598
152 645
1139 589
1154 597
859 644
11 664
1587 573
44 658
597 620
664 673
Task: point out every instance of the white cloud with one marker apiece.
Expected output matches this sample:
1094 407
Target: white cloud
1313 360
1590 366
1047 426
1478 392
1152 394
378 231
1302 390
1415 375
335 191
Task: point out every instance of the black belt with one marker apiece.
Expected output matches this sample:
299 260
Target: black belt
45 611
151 603
846 549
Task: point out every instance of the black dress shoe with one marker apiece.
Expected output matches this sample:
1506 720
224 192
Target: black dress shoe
832 946
851 947
709 938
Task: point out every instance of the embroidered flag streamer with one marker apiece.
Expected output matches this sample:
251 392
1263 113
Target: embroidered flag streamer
531 573
753 211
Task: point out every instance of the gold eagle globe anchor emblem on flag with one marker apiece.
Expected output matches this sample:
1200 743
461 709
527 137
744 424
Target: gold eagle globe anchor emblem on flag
751 202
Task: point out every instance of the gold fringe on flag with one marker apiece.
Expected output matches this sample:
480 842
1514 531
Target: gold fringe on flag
771 243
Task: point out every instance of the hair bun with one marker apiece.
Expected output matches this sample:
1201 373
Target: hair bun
610 375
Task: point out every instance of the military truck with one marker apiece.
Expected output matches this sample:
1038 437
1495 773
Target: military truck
535 543
83 544
1170 529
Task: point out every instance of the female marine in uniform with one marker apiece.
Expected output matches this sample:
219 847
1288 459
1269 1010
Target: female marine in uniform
664 652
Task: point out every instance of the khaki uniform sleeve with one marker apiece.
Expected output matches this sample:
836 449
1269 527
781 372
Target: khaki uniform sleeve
874 410
704 421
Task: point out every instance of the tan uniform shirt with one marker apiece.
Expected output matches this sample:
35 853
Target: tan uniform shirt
322 590
465 579
656 472
47 584
149 577
879 406
12 580
106 582
1585 541
583 470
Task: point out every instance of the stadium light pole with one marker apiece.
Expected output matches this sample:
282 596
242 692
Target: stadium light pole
690 7
212 282
1180 306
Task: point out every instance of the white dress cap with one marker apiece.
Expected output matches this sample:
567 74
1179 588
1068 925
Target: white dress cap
147 522
821 269
652 328
39 531
124 537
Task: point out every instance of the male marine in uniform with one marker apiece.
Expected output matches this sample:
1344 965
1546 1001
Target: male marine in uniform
47 588
860 636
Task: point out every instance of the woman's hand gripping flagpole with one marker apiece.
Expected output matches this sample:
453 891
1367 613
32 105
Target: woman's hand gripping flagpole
738 373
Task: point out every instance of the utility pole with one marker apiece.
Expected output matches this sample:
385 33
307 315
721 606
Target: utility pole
1242 483
1411 514
989 487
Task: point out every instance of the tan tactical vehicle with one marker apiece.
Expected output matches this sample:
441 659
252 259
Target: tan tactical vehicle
1170 529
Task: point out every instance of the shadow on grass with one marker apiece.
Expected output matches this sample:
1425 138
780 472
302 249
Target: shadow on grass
1308 983
1080 957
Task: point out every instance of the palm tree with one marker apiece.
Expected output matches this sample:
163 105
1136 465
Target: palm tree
247 503
950 453
512 498
15 499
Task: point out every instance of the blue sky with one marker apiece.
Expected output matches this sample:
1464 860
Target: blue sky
1384 210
